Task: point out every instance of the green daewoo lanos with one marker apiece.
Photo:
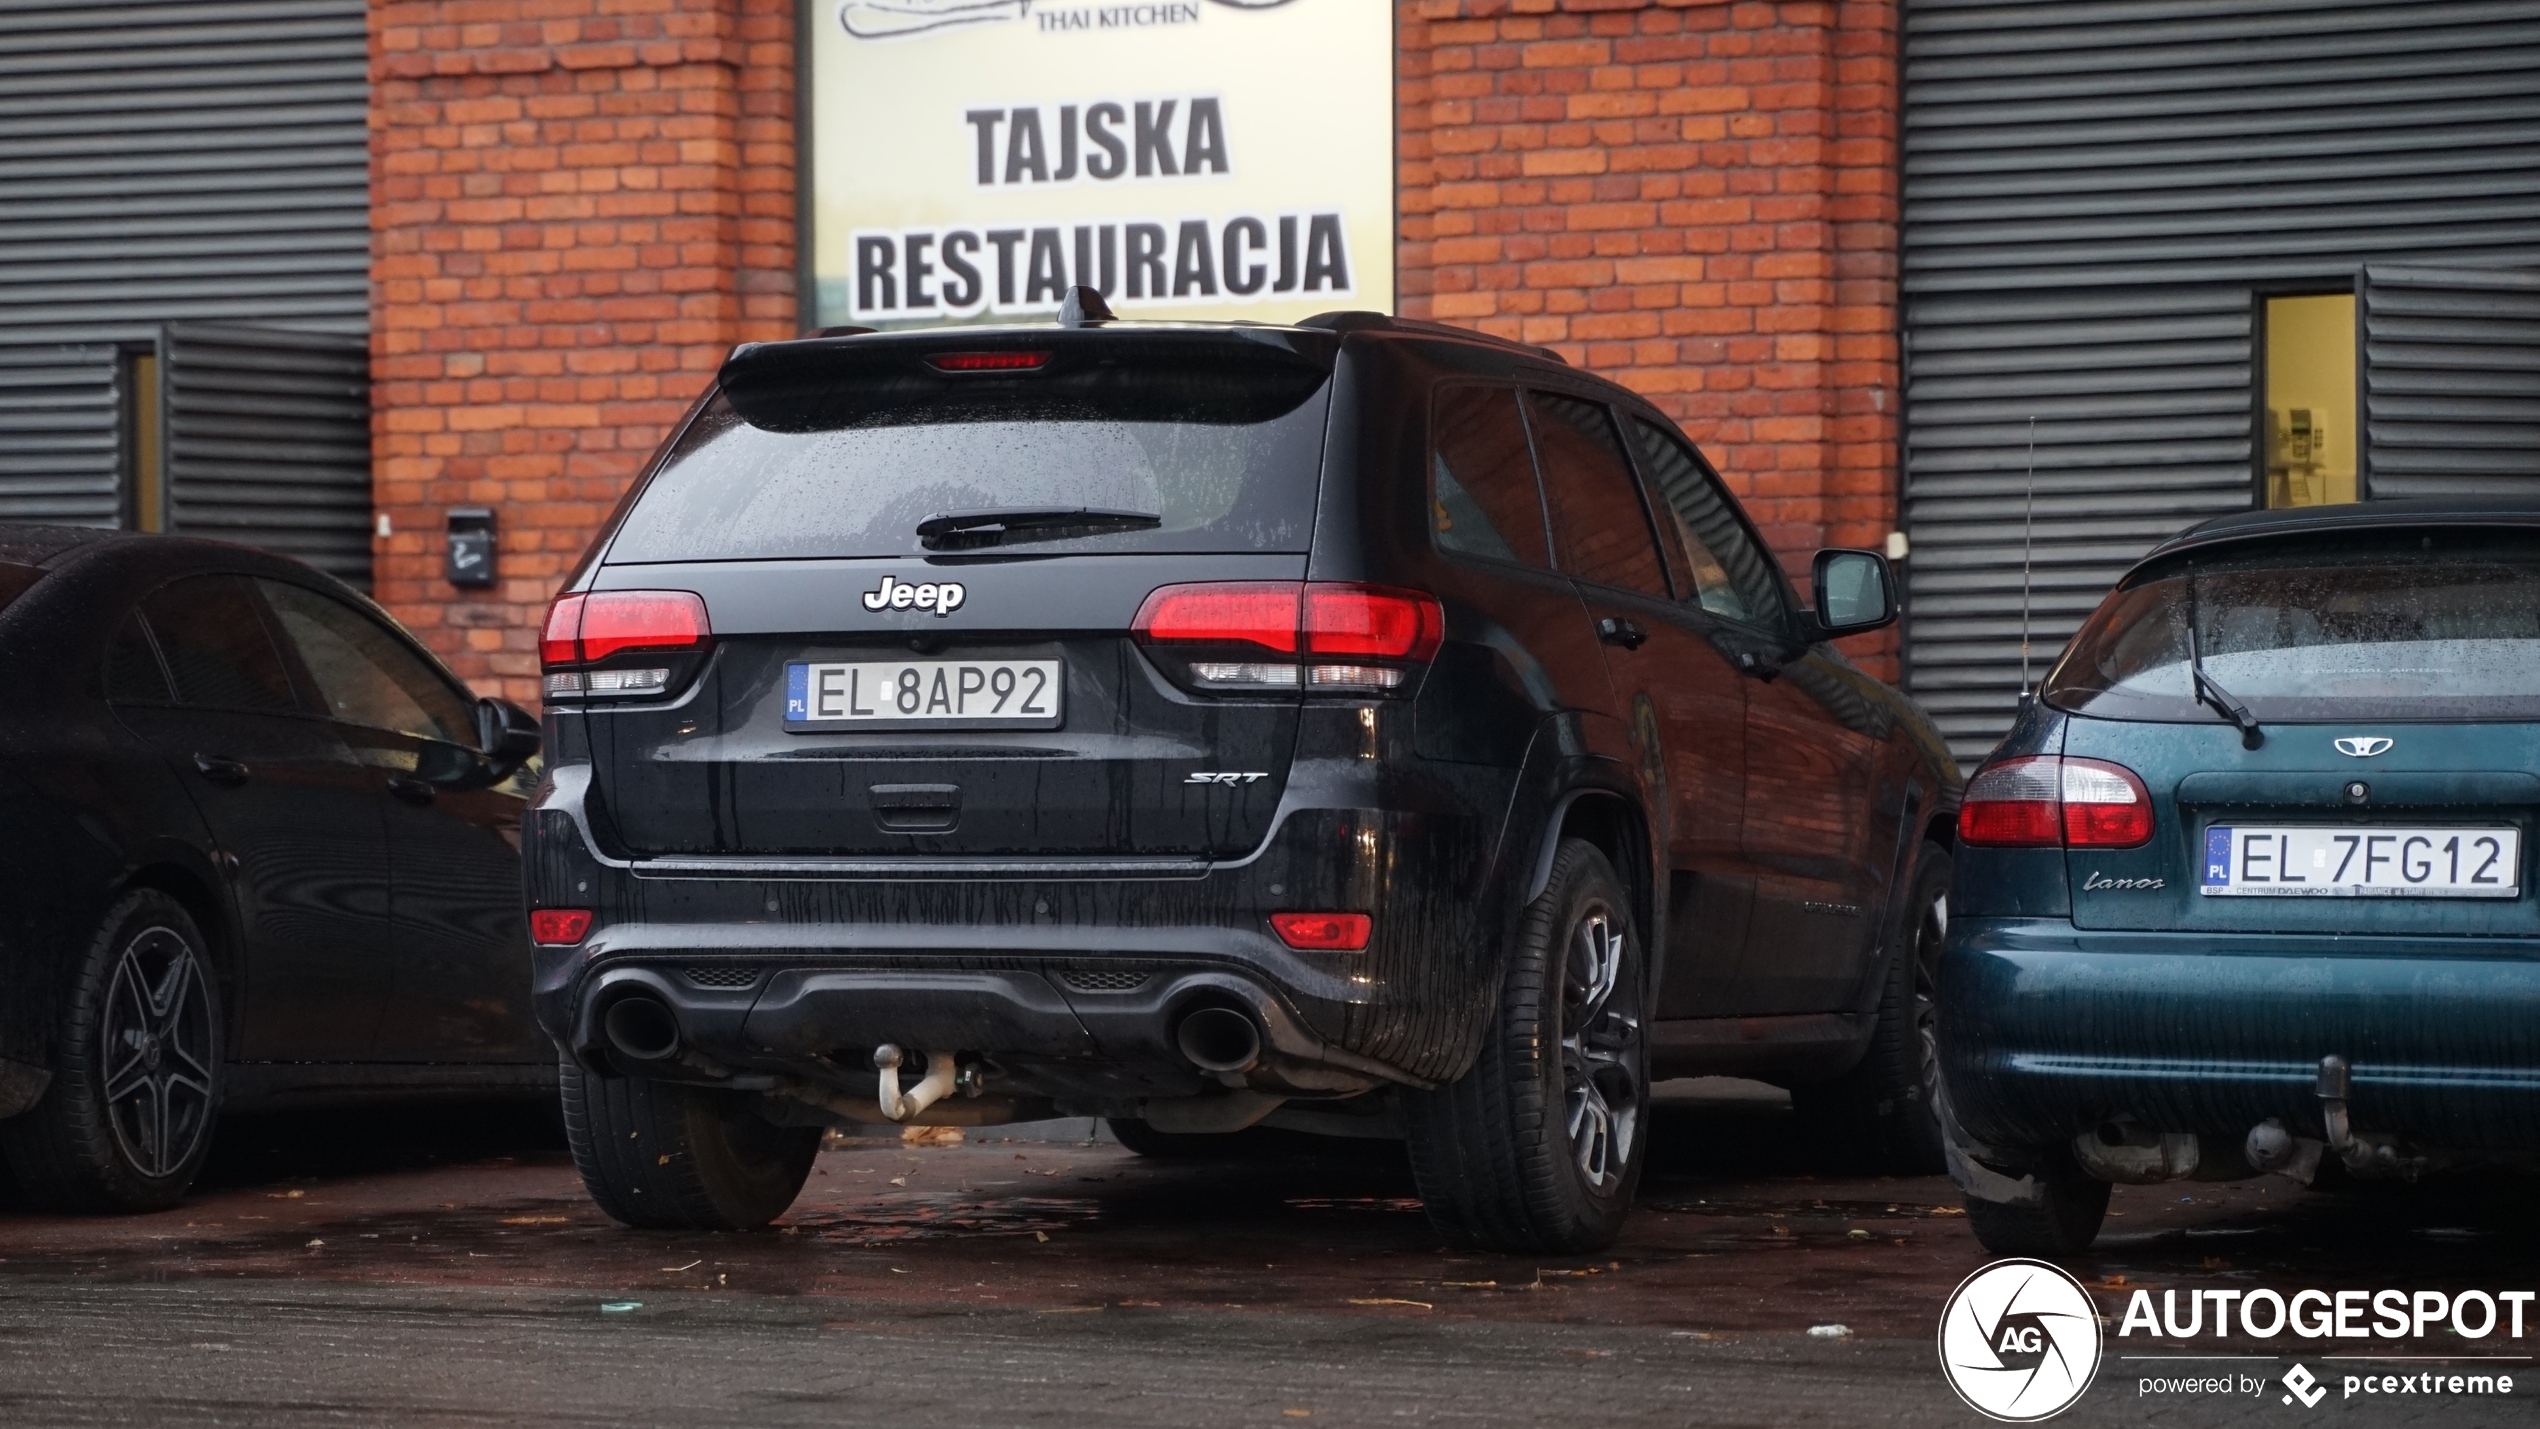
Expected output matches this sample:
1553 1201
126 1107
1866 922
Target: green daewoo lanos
2248 888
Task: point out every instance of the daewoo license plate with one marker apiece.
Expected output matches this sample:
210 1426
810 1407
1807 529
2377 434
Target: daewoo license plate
919 694
2367 862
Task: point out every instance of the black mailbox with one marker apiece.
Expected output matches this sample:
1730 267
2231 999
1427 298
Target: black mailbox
471 558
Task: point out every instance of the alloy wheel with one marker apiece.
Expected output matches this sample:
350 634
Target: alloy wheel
157 1047
1600 1048
1930 930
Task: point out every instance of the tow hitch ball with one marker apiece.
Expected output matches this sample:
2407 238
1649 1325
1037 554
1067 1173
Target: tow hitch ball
944 1076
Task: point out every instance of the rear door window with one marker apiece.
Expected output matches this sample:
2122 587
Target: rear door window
1603 528
2403 625
1483 497
365 675
1179 448
1733 576
216 645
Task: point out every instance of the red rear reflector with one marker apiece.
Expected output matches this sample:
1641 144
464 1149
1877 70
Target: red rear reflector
563 628
1372 621
988 361
1262 613
1323 932
559 926
2043 801
615 620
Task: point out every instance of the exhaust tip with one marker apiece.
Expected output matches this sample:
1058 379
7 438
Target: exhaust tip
1219 1039
642 1029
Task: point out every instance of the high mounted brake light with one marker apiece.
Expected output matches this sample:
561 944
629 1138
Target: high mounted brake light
591 627
2050 801
988 361
1351 639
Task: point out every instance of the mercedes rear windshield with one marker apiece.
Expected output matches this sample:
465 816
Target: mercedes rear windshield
1086 443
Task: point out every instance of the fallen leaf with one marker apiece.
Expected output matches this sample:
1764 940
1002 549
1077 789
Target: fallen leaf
1388 1300
1040 1235
284 1195
1857 1233
315 1244
1829 1332
899 1180
1948 1210
533 1220
664 1161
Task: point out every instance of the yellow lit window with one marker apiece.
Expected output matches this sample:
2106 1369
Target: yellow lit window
2310 427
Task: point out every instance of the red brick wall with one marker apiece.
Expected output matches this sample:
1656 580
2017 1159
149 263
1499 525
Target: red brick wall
578 207
1696 198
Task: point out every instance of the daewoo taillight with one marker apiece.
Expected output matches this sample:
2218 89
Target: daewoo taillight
2050 801
1290 635
622 643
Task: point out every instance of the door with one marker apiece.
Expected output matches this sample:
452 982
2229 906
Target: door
458 952
1808 770
1683 699
296 818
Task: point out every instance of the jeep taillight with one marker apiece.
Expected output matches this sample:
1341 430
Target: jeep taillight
622 643
1327 636
2051 801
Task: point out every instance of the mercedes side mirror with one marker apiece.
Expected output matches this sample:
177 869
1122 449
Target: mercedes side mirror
507 733
1856 592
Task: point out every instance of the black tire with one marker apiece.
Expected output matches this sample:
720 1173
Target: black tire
1539 1146
1882 1116
661 1156
127 1119
2060 1224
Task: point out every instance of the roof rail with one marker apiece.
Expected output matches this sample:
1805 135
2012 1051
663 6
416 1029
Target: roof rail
1359 320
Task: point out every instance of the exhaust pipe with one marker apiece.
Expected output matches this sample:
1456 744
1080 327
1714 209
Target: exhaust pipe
1219 1039
641 1029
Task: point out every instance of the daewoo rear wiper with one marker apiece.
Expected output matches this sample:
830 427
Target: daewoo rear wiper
2210 693
971 530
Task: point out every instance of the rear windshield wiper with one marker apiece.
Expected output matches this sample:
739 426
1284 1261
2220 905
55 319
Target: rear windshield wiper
2208 692
971 530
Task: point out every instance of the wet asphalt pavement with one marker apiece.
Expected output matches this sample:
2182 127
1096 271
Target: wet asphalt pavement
444 1268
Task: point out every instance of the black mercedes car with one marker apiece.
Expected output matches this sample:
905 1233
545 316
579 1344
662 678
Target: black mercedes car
260 848
1361 727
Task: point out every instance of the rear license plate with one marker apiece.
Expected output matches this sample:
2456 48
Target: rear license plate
2373 862
924 694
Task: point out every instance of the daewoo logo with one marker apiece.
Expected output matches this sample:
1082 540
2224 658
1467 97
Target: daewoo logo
894 594
2362 746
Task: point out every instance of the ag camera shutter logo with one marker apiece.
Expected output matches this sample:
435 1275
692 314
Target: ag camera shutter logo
2020 1341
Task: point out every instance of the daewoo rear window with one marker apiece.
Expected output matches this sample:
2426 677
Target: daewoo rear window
844 454
2402 625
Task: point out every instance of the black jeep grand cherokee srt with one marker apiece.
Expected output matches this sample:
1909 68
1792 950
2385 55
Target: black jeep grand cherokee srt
1362 727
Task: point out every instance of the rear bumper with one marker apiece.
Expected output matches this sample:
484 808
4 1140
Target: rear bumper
2047 1030
1069 980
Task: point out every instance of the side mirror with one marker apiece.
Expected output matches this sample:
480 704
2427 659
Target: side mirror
507 733
1856 592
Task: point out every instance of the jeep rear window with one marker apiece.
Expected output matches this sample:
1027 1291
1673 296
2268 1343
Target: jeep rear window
2401 625
844 455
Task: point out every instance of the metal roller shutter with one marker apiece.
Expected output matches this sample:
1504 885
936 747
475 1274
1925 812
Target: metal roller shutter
166 162
2451 379
268 441
2093 195
60 435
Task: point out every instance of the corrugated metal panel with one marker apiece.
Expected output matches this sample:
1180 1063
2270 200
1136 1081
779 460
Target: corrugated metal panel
2093 192
166 162
2451 379
268 441
60 445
